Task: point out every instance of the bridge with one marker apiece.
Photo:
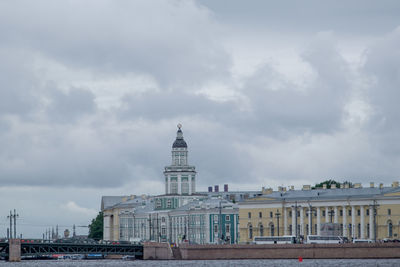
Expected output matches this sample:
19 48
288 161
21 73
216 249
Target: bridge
43 249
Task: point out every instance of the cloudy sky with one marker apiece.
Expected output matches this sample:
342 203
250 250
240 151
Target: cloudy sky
269 93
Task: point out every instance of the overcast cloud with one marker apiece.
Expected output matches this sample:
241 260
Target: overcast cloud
269 93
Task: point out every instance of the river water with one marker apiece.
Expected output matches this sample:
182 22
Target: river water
227 263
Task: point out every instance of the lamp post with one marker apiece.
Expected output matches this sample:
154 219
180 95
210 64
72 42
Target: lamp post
331 213
277 215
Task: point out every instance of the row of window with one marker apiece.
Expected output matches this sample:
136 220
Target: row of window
331 212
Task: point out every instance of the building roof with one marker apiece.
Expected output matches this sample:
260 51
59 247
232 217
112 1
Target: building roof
328 194
179 142
109 201
210 203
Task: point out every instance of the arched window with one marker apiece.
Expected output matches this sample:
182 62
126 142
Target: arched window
390 228
250 227
261 230
272 229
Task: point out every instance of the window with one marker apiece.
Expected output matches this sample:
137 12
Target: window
271 214
390 229
169 203
341 212
359 230
307 229
290 229
227 229
358 212
389 212
261 230
249 215
367 212
158 203
272 229
163 219
163 231
227 218
349 212
350 229
250 231
260 214
215 228
323 213
290 214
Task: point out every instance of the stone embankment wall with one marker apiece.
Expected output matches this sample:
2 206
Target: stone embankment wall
157 251
290 251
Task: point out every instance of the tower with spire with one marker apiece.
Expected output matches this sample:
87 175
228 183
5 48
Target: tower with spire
180 177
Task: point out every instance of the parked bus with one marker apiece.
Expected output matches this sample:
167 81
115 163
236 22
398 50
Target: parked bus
318 239
274 240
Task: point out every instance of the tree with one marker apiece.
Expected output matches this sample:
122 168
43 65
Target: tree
328 183
96 227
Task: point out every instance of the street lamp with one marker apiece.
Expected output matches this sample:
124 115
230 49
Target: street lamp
277 215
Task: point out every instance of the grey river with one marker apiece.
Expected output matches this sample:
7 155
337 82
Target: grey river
227 263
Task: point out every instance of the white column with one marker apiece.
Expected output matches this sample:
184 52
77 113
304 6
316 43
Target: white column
179 184
327 215
301 221
309 220
318 221
285 230
371 222
335 219
190 184
344 221
294 217
169 184
353 222
362 225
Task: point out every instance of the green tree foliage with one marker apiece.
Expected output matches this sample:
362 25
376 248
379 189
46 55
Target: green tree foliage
96 227
329 183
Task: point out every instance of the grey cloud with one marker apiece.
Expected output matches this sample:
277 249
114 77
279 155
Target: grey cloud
67 107
354 17
17 82
176 42
281 106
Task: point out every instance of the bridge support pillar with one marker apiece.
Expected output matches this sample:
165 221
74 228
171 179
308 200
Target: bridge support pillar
14 250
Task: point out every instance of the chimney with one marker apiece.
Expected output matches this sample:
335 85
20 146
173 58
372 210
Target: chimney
324 186
267 191
216 188
307 187
371 184
225 187
210 189
333 186
395 184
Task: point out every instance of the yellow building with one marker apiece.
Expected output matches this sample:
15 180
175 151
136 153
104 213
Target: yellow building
273 213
